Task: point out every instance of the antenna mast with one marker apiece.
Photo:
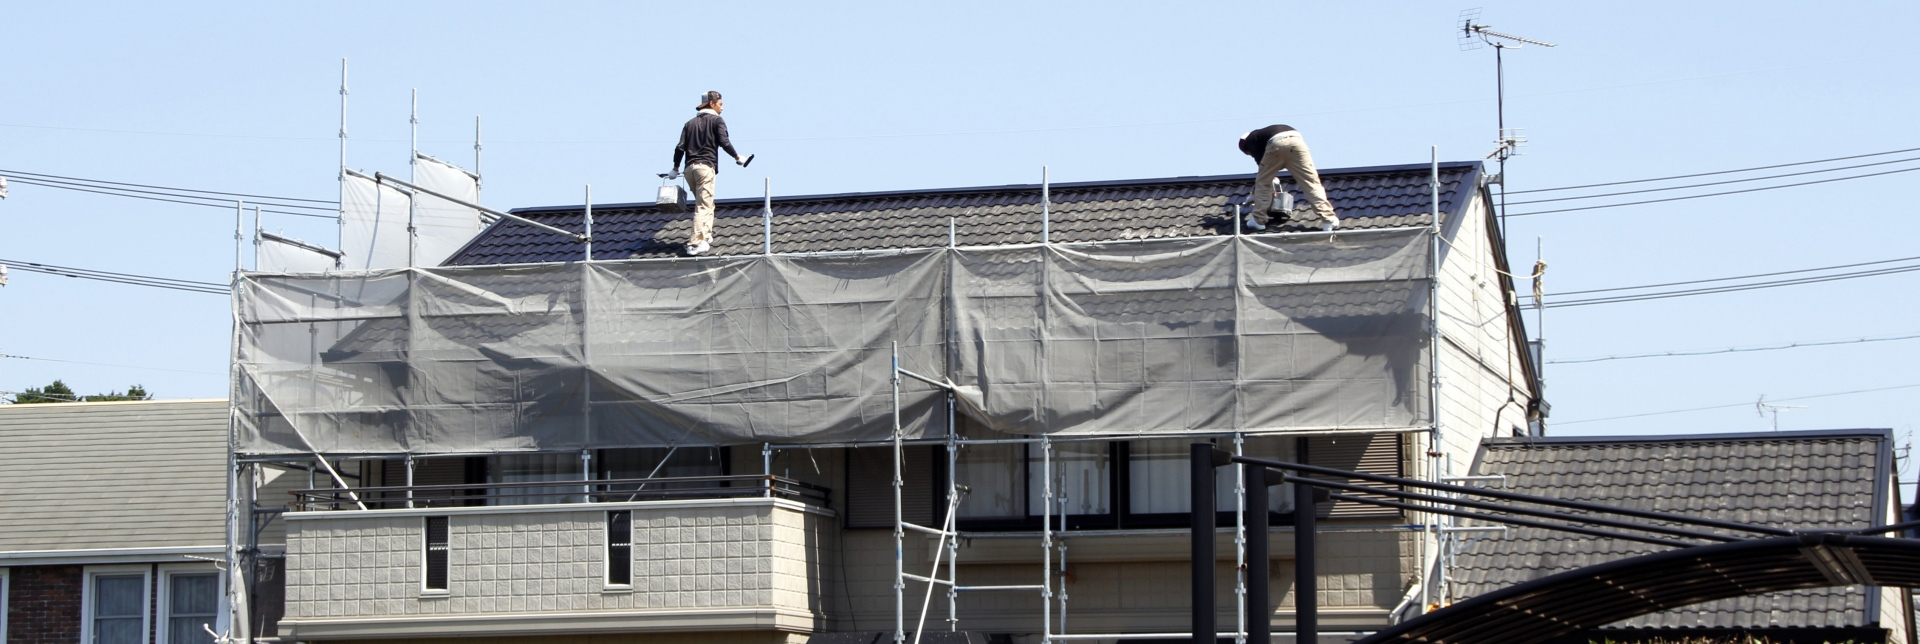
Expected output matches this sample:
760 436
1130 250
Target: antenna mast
1473 35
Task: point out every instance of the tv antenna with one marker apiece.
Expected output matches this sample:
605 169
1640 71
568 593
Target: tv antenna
1765 408
1473 35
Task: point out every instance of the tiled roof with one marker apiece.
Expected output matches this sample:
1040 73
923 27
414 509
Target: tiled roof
1824 479
1376 197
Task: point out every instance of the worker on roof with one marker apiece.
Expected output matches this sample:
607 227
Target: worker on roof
699 139
1275 147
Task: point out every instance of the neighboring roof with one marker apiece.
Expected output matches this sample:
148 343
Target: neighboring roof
1372 197
112 475
1819 479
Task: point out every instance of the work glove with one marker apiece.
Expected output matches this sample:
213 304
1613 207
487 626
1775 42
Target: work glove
743 161
672 175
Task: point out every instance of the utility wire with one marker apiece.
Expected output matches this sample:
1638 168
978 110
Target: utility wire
1714 194
1714 183
1778 347
1709 174
190 203
58 183
104 364
1745 404
138 185
121 278
1734 288
1738 277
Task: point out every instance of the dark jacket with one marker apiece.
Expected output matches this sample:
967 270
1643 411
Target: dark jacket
702 133
1255 145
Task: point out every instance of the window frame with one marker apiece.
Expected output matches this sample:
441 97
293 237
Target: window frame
426 555
607 553
163 601
89 585
1120 515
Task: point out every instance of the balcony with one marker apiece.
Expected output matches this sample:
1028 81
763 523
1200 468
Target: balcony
718 553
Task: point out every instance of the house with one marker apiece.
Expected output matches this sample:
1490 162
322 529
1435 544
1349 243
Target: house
1799 480
993 387
114 514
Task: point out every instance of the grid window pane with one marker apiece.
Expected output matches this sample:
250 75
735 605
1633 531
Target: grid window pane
992 474
192 601
1158 482
1080 476
117 609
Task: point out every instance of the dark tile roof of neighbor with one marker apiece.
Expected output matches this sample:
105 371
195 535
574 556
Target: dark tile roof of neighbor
1815 479
1374 197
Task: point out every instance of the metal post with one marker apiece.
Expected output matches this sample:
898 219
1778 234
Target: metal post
766 468
951 225
1259 610
413 175
340 225
1436 437
899 518
1046 225
588 239
239 223
476 158
953 521
1046 539
766 219
410 464
1241 507
1306 589
1201 506
586 474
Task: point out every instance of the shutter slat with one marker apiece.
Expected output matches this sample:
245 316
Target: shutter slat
1366 453
870 486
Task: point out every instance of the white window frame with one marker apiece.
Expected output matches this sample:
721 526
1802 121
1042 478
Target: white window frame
145 571
163 607
3 604
606 553
425 546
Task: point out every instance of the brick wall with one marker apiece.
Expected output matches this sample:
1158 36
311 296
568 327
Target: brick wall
43 604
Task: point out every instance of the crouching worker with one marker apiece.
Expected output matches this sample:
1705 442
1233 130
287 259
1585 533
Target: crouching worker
699 138
1277 147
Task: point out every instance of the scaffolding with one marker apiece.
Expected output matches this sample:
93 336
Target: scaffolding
1054 532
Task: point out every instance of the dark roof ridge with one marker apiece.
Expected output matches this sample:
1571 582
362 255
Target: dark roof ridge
1808 434
1016 187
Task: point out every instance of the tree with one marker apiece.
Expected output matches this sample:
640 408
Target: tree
59 392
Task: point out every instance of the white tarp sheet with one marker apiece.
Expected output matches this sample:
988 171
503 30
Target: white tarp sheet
373 225
272 256
442 227
1122 338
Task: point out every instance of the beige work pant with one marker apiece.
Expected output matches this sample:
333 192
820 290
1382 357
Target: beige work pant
700 181
1289 151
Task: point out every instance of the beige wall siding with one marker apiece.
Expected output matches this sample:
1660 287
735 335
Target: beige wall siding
1480 365
142 474
684 559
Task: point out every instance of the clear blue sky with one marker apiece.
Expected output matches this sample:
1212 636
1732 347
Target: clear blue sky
887 96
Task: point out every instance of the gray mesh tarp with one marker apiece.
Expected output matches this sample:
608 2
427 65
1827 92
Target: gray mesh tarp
1138 337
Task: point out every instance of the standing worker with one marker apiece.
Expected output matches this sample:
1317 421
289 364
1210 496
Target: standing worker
1275 147
698 140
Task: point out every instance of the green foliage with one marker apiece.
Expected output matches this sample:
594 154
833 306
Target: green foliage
59 392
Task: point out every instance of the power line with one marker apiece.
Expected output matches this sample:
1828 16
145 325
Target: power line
1714 194
104 364
1715 183
1738 277
120 278
55 183
156 198
1745 404
1709 174
1734 288
137 185
1795 345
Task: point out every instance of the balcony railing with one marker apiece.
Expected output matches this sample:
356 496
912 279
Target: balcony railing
549 492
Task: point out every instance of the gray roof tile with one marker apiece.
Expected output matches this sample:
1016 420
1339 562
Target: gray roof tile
1790 480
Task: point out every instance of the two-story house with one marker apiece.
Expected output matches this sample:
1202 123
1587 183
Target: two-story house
551 437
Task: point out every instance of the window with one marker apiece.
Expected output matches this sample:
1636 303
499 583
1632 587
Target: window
190 604
531 468
1159 490
620 548
114 605
3 604
659 462
436 554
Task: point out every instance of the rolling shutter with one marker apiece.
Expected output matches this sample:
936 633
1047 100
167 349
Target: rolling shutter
870 486
1365 453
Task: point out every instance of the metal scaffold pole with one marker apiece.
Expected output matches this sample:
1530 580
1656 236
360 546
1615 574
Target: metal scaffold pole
1436 573
899 518
1046 540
